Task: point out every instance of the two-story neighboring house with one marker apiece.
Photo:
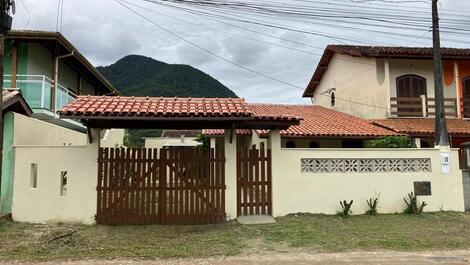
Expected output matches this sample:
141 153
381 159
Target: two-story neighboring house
394 86
50 72
44 72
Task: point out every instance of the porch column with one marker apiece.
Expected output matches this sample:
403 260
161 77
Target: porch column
388 87
212 142
230 174
274 143
458 88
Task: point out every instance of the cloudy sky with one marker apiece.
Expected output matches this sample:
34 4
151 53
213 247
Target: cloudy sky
105 31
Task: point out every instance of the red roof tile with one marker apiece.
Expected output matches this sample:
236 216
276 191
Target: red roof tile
315 121
156 106
419 127
213 132
396 51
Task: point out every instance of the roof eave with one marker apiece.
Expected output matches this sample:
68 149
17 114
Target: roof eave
57 36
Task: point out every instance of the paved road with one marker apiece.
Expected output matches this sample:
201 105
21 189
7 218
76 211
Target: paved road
367 258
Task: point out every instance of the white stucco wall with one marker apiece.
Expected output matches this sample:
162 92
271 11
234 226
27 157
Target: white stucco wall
112 138
44 204
30 131
294 191
360 80
159 142
371 82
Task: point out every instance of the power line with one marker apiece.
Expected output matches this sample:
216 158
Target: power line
277 26
225 59
227 32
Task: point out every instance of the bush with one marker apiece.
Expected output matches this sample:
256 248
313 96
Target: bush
412 204
346 207
372 203
391 142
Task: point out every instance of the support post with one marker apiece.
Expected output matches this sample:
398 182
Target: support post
424 105
458 87
274 143
441 134
230 175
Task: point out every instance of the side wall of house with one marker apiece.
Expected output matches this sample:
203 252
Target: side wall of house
45 203
361 80
113 138
29 131
20 130
318 185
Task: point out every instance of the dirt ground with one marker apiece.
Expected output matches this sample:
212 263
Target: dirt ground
298 258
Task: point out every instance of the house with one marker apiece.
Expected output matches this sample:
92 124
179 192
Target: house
250 169
13 102
394 86
44 72
50 72
319 127
173 138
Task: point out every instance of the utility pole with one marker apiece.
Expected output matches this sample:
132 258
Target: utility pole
6 7
441 134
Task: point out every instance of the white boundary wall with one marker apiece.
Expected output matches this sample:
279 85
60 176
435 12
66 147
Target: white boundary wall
44 204
294 191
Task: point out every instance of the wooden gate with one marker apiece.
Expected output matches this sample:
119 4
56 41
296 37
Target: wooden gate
254 189
166 186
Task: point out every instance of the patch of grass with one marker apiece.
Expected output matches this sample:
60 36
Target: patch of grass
430 231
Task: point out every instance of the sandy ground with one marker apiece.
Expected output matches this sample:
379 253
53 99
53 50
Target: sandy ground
376 258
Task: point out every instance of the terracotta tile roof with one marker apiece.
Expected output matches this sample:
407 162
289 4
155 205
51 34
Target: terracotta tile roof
380 52
316 122
420 127
395 51
14 101
156 107
214 132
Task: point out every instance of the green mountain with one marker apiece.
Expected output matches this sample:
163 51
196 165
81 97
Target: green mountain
136 75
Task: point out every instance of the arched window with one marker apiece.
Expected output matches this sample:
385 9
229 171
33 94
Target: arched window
333 99
290 144
314 144
466 87
410 86
466 96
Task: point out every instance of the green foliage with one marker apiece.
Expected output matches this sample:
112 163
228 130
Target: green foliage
391 142
136 75
134 138
412 204
346 207
372 203
205 141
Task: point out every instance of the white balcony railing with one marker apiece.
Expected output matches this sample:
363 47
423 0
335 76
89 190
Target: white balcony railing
37 90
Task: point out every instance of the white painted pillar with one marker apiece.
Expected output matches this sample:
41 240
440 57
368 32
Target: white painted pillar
274 143
230 175
212 142
388 87
418 142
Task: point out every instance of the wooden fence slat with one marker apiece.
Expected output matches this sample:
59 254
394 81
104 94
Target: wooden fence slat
166 186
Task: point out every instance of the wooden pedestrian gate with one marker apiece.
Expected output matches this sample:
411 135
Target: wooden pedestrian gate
254 189
166 186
